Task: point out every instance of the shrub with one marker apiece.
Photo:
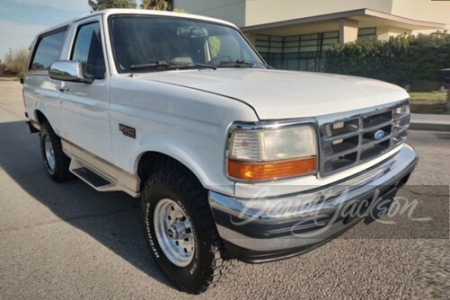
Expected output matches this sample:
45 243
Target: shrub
402 60
16 62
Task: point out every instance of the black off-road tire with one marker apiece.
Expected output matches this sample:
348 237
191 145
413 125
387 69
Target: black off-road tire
208 263
60 173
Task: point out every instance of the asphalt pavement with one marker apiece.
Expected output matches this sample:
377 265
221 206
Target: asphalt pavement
67 241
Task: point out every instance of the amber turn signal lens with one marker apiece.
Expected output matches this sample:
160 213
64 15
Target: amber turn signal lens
272 170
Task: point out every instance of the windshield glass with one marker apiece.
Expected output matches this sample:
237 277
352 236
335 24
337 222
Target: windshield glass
147 43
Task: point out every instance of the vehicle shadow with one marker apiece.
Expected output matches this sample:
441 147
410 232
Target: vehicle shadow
110 218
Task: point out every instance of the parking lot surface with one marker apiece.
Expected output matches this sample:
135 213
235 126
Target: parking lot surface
67 241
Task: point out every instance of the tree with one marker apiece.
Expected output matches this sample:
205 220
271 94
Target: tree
215 44
157 5
160 5
105 4
16 62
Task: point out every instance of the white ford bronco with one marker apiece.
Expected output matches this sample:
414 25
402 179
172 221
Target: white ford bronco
230 158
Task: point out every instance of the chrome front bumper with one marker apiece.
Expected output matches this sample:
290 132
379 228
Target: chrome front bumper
264 229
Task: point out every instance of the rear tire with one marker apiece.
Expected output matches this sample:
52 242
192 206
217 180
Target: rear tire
173 198
55 161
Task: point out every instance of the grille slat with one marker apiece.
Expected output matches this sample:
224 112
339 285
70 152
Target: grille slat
358 137
339 154
401 116
373 143
342 136
400 129
378 126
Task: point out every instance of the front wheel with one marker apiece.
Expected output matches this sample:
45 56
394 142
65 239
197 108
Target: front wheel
180 229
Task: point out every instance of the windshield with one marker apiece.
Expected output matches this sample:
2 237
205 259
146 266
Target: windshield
148 43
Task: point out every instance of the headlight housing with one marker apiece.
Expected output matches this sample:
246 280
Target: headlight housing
272 152
401 124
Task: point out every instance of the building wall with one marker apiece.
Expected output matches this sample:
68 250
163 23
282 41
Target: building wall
423 10
253 12
267 11
385 32
229 10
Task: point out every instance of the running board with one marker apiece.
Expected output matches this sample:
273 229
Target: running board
91 178
98 173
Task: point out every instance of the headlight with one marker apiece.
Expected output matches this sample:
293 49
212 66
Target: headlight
401 124
402 110
273 153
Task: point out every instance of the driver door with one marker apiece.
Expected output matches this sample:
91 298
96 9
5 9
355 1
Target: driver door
85 107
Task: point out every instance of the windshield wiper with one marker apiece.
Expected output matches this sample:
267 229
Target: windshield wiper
163 64
203 66
237 63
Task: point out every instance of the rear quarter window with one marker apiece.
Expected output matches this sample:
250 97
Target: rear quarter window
47 50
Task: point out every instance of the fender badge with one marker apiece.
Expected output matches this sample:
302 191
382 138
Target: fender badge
128 131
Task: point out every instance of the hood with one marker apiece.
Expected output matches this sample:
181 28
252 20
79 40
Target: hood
276 94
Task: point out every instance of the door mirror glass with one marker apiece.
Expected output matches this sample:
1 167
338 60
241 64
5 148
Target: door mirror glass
67 70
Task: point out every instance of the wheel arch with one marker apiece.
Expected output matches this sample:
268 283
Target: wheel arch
149 161
40 117
202 154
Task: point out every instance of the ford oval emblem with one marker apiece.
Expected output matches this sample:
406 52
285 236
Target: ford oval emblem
379 134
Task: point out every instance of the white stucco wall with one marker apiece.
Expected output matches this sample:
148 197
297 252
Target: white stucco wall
253 12
267 11
384 33
423 10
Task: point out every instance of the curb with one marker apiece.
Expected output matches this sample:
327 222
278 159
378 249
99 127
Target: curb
429 127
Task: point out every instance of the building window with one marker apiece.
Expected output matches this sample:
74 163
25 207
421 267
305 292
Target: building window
300 52
271 49
367 33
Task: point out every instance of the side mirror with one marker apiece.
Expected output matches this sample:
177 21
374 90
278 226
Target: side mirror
67 70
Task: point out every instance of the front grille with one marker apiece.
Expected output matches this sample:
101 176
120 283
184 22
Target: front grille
347 140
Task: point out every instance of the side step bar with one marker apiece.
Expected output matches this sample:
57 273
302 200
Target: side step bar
92 178
98 173
95 178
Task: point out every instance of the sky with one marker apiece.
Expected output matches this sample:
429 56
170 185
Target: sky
21 20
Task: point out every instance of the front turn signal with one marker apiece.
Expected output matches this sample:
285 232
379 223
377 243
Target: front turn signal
265 171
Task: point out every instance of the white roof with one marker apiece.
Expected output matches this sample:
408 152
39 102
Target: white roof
129 11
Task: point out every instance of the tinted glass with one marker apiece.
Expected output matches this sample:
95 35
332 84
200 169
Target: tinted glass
301 52
47 51
140 40
367 33
89 51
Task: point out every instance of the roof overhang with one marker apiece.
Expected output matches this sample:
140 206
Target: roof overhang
365 17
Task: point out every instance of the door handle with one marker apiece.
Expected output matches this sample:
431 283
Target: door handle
64 89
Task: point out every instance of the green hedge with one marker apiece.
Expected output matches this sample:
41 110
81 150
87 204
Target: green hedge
403 60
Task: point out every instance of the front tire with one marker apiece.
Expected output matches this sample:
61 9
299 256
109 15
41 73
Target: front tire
180 229
55 161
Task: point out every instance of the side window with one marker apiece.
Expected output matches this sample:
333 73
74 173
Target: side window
89 51
47 51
